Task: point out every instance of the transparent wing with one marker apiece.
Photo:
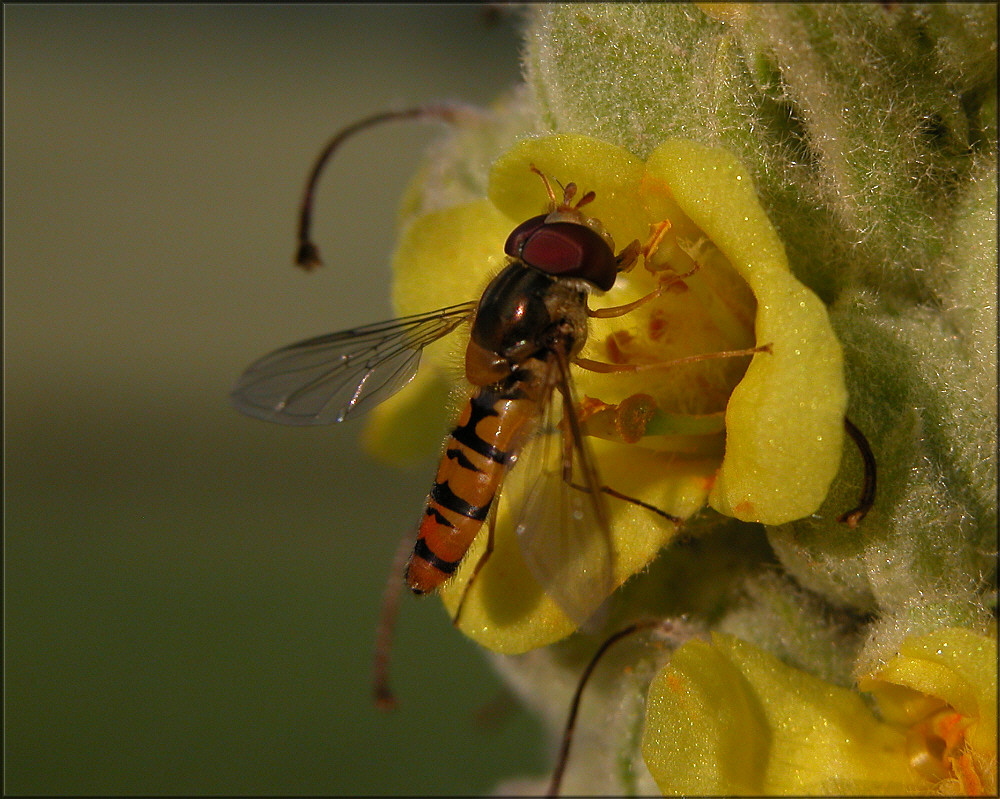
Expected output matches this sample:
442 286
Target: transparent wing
562 525
329 378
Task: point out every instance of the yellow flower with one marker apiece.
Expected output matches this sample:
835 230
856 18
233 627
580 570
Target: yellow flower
727 719
760 442
941 689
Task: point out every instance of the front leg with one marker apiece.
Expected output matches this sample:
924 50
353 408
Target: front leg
628 258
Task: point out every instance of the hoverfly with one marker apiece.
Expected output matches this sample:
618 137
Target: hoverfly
526 329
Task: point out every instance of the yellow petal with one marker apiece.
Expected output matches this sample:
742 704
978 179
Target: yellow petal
784 421
408 426
705 733
509 612
443 258
446 257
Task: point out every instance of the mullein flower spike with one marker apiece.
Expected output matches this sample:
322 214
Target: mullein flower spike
869 133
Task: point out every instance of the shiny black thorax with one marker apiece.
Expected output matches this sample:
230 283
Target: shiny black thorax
524 315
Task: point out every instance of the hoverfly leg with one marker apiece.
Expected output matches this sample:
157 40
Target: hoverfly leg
600 366
854 516
628 257
674 278
611 492
567 454
619 495
491 523
621 310
389 612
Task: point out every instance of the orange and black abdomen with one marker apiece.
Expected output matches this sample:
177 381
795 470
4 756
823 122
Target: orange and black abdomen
490 430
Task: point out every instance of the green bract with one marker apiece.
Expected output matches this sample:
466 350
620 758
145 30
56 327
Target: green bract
783 414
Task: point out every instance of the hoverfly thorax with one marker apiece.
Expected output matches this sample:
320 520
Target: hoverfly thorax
511 312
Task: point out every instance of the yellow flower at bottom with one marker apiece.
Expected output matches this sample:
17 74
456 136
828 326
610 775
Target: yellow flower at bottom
760 441
728 719
941 689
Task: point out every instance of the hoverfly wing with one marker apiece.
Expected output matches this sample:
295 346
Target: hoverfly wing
562 524
333 377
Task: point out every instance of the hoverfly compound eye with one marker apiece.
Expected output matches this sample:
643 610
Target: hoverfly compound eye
519 235
567 249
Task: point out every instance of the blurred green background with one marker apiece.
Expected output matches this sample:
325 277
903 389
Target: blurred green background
191 594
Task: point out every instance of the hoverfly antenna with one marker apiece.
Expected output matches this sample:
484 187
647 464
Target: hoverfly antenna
569 192
548 186
307 255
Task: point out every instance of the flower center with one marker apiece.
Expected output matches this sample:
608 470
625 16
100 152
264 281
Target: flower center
937 750
705 308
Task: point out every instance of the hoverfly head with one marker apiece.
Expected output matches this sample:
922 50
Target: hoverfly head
565 242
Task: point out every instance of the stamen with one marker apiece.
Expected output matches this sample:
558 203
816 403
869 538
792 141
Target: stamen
853 517
671 629
307 255
567 741
384 697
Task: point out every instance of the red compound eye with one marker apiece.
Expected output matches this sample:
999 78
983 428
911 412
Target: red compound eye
519 235
566 249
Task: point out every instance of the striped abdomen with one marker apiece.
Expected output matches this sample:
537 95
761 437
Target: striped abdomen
490 430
